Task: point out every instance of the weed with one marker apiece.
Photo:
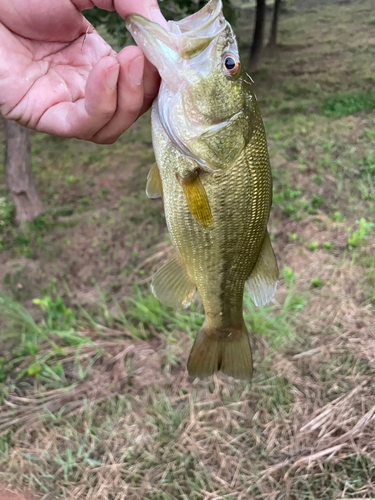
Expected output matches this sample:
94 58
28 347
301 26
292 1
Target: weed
313 246
285 199
318 180
57 315
316 282
72 179
307 207
337 217
357 237
289 275
316 201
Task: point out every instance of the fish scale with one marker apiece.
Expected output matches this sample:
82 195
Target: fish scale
211 154
229 250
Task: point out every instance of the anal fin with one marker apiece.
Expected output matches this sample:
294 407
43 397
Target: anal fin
172 286
154 187
196 198
262 282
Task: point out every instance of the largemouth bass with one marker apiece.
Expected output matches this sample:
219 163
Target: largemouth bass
213 171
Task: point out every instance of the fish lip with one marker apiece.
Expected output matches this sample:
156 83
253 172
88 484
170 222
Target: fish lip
148 34
136 22
186 26
186 36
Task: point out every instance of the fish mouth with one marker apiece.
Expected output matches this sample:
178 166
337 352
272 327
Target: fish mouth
186 39
199 22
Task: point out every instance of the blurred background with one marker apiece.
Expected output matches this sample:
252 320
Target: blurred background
95 401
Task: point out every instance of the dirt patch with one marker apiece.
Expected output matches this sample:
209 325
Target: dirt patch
8 494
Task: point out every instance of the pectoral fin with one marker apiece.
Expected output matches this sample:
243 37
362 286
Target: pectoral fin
154 188
196 198
172 286
262 282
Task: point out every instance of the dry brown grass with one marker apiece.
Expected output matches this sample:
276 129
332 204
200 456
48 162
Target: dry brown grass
170 434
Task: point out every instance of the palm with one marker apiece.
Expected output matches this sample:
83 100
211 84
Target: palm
55 74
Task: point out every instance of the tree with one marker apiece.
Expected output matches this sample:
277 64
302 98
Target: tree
20 179
257 45
275 19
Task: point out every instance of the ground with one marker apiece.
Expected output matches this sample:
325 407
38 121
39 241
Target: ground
95 399
8 494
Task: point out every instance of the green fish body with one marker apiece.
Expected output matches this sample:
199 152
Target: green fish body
213 170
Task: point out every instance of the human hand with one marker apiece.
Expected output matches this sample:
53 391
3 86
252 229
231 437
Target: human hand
57 75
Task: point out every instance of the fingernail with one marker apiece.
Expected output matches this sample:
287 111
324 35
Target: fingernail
158 17
136 70
112 77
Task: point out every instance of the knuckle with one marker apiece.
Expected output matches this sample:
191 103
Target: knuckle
133 108
107 113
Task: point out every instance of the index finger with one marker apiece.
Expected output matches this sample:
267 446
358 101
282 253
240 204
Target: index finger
146 8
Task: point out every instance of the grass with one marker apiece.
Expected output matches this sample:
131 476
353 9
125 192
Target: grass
95 401
348 104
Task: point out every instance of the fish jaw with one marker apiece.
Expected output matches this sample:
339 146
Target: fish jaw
159 46
200 20
203 110
177 53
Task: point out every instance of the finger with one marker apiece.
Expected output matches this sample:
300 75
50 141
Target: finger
147 8
151 84
130 95
83 118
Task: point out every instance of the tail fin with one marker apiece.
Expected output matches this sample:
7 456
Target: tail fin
229 353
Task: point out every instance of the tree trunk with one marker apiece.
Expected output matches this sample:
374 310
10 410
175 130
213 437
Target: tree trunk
20 179
257 46
275 20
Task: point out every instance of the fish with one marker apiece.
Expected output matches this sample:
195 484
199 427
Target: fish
213 173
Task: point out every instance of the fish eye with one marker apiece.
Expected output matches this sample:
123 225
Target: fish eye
231 64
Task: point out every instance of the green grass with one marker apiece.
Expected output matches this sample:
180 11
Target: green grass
36 350
348 104
357 237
